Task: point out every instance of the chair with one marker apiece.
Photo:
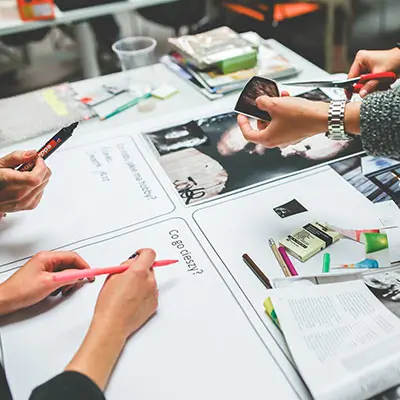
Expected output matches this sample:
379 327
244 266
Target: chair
297 23
176 14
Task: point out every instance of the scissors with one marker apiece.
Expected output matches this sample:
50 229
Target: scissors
353 85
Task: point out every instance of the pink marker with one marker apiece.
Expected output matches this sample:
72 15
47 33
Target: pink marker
287 260
76 274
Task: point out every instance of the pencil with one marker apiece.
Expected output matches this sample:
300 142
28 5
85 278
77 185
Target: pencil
278 257
257 271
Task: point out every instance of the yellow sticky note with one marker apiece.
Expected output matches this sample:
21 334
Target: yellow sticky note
269 309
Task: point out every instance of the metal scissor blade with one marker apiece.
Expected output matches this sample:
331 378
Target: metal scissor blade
328 84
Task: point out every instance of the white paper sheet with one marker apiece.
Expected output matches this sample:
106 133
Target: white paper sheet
94 189
199 345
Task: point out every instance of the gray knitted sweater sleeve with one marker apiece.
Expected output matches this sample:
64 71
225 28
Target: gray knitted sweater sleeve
380 124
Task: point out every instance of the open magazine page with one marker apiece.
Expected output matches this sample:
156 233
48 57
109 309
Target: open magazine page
345 343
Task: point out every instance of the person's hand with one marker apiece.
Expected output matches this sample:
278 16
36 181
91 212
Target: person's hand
34 282
21 190
292 120
374 62
129 299
126 301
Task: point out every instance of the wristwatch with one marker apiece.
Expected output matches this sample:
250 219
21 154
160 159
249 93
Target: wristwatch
336 121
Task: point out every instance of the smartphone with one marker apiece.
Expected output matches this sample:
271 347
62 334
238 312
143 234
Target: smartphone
256 87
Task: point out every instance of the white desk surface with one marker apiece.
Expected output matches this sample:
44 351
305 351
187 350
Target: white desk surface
11 26
188 97
177 109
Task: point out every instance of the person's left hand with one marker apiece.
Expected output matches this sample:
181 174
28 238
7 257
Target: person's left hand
33 282
292 120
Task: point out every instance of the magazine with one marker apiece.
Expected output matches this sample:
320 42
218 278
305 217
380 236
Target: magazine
343 331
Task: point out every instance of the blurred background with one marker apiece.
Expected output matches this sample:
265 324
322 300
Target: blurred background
41 56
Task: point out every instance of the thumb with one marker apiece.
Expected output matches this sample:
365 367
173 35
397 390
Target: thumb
17 158
369 87
263 103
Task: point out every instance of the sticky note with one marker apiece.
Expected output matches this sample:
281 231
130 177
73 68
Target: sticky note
164 91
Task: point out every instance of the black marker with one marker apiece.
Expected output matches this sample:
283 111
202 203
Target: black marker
51 146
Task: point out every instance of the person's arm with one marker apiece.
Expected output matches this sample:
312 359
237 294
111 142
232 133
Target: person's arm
67 386
380 123
125 303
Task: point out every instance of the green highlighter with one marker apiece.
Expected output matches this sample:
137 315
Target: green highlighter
326 263
126 106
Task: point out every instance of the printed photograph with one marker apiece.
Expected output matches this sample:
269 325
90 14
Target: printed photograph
378 179
255 88
210 157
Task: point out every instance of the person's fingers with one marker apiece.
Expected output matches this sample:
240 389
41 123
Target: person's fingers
34 200
40 171
262 124
61 260
17 158
69 289
264 103
285 93
144 259
369 87
250 134
358 66
13 177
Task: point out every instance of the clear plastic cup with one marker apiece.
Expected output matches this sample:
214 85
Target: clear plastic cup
135 52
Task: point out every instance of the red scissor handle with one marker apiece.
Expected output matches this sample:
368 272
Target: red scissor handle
390 77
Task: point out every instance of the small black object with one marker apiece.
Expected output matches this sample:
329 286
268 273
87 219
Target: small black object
291 208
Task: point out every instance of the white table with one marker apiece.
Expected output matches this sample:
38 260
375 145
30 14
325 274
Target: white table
86 45
175 108
188 97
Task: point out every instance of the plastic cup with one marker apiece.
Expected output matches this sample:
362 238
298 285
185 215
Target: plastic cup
135 52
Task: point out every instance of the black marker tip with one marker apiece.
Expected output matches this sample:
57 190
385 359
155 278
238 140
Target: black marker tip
72 127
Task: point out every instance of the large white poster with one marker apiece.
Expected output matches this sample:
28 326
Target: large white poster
200 344
94 189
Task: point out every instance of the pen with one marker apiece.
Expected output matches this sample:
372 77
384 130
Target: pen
257 271
287 261
326 263
70 275
278 257
51 146
126 106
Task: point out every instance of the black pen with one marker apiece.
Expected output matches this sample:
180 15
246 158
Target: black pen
51 146
257 271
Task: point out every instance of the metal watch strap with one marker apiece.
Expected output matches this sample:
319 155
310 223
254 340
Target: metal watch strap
336 120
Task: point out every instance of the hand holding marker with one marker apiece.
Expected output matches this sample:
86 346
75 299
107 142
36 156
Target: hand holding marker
50 147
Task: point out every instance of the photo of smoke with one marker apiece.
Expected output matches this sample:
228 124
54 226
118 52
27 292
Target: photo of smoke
223 162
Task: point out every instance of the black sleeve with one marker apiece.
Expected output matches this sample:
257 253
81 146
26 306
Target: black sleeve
68 385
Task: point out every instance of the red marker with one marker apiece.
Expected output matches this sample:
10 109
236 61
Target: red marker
51 146
74 274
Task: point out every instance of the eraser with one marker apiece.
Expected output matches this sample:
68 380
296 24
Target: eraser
164 91
309 240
